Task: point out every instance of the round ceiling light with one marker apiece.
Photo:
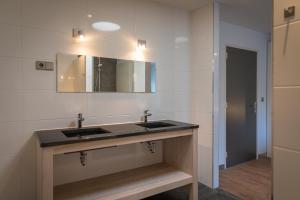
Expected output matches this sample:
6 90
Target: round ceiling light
106 26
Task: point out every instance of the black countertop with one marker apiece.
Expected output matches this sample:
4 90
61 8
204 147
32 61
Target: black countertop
56 137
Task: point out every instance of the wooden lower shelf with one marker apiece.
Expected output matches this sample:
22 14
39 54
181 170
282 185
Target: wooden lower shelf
133 184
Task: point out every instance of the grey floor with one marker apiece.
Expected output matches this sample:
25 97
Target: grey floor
205 193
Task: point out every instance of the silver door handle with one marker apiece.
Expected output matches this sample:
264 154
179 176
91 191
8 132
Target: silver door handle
253 106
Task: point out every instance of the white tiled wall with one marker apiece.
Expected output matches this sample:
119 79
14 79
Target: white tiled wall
201 87
38 29
286 91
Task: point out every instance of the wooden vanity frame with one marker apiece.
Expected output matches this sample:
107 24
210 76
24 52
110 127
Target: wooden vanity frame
180 151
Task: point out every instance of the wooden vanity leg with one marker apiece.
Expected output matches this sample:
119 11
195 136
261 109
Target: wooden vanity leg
45 174
194 188
182 153
193 192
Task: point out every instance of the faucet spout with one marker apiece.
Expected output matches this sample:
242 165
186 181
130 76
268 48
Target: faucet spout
146 115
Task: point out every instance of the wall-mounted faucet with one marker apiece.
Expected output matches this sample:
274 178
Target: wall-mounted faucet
80 120
146 115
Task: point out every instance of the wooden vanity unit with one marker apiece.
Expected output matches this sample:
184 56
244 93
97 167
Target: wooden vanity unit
178 169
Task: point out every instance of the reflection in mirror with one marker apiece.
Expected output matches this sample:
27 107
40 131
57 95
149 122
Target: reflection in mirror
79 73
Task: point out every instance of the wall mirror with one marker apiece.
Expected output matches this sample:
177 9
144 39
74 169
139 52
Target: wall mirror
81 73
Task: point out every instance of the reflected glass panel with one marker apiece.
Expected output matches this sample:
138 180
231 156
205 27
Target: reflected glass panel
80 73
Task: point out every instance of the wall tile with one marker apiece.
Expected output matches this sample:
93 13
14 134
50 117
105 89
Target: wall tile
205 168
117 119
204 120
205 139
286 107
285 174
164 80
11 138
182 102
201 104
279 7
182 116
11 106
201 86
10 169
286 58
144 157
122 46
182 81
201 81
132 156
10 11
162 102
36 79
28 172
10 73
162 116
52 105
111 104
10 40
43 44
182 53
48 15
203 58
151 24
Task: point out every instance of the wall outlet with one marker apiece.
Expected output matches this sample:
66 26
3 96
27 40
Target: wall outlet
43 65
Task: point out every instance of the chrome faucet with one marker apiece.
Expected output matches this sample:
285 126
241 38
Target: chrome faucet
146 115
80 120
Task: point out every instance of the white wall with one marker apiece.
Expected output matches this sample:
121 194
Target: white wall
201 87
286 102
240 37
38 29
216 95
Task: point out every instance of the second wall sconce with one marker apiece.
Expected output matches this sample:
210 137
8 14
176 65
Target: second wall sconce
141 44
78 34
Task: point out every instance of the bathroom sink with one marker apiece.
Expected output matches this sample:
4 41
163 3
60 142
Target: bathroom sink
151 125
84 132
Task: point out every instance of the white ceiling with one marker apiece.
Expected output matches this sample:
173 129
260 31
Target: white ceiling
184 4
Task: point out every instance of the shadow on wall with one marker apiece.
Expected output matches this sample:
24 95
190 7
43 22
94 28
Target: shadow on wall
19 170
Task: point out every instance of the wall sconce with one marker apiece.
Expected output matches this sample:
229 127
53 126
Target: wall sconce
78 34
141 44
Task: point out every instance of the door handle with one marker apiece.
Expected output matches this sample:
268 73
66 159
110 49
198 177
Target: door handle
253 106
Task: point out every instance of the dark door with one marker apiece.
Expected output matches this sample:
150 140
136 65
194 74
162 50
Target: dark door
241 105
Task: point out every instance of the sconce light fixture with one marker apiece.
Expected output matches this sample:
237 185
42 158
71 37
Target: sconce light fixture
141 44
78 34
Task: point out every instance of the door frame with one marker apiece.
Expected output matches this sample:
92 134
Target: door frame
258 111
218 68
219 100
